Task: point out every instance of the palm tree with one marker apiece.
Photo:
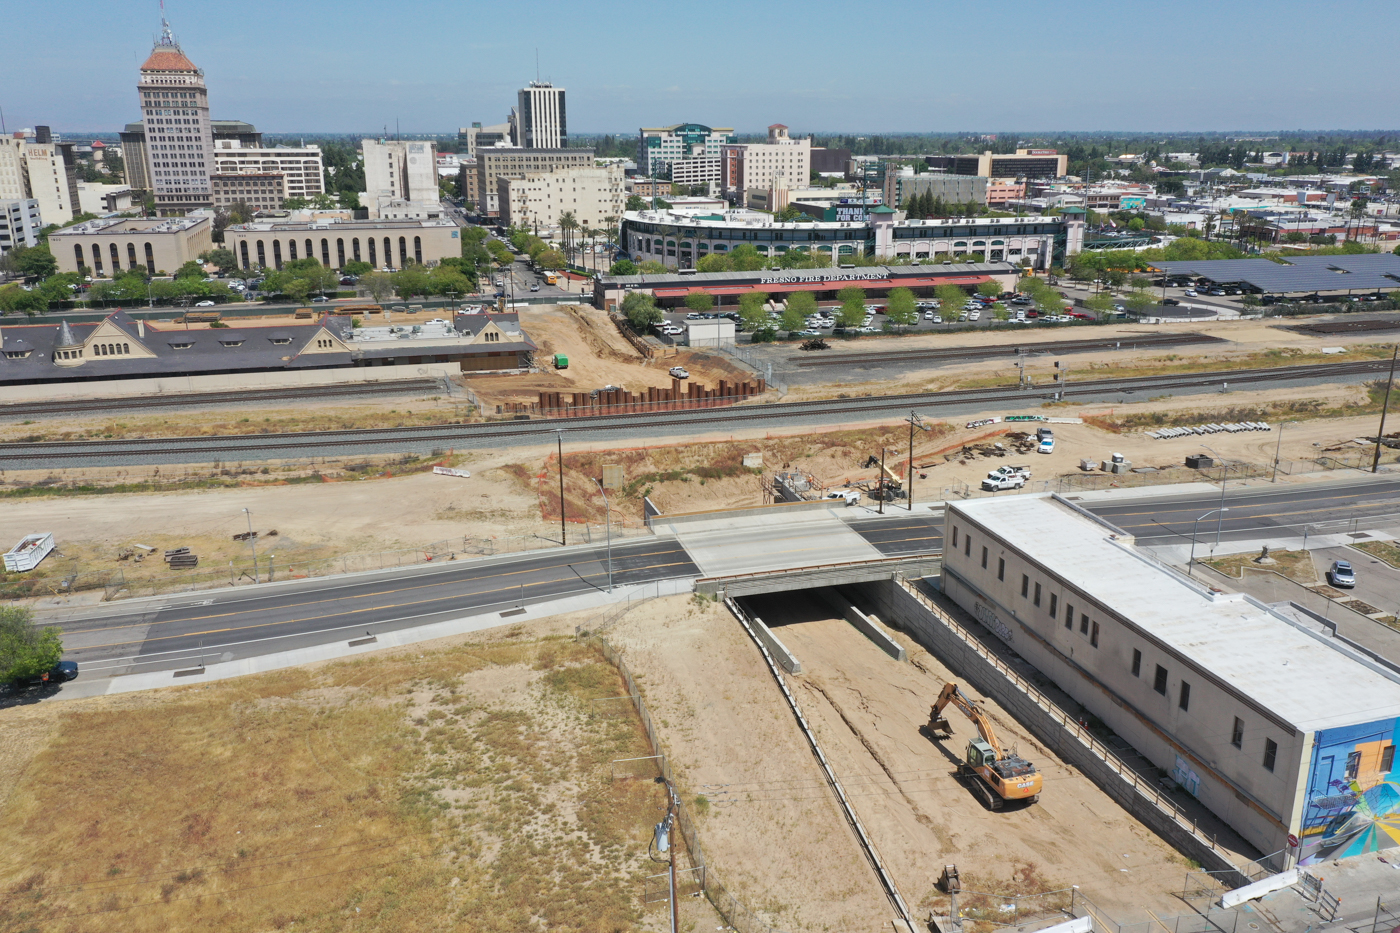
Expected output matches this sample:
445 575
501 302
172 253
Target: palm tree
568 223
1208 225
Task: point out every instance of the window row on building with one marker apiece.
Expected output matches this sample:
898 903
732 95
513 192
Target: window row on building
1066 618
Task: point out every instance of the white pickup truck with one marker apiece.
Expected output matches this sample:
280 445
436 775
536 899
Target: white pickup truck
1006 477
852 496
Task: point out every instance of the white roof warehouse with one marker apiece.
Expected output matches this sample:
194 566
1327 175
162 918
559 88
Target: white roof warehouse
1273 727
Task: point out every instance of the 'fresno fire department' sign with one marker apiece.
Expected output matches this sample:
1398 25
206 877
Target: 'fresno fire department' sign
857 275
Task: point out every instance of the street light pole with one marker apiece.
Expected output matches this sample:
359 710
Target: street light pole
252 543
1224 476
608 509
1191 561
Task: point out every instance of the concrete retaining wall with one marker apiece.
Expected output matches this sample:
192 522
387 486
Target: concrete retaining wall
785 658
864 624
179 385
897 606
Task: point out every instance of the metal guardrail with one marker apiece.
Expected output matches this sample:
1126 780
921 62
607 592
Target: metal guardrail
1147 790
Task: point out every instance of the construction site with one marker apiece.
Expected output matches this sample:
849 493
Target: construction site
848 746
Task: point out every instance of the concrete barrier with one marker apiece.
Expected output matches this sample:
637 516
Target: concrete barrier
864 624
777 508
807 578
181 385
785 658
1269 885
898 606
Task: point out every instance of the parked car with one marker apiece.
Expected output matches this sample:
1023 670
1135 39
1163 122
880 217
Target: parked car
1341 575
204 304
320 298
1046 441
1190 293
679 372
61 672
1170 301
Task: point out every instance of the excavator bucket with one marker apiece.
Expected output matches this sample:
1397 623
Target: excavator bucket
939 725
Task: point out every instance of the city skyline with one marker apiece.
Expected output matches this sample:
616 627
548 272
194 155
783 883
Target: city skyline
1089 67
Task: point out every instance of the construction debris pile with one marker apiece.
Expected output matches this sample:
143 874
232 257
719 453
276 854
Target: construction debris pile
181 559
1234 427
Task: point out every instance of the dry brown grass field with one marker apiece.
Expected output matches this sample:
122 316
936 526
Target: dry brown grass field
462 788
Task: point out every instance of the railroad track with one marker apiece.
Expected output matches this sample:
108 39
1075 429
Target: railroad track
963 353
82 406
235 448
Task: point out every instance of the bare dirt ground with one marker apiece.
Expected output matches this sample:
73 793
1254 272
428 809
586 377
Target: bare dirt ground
598 356
867 709
507 500
1247 349
787 854
773 831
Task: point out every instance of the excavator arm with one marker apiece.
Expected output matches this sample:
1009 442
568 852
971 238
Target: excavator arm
952 695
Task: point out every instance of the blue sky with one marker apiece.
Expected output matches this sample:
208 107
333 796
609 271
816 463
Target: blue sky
851 66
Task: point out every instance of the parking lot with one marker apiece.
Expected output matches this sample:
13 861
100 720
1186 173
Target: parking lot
932 317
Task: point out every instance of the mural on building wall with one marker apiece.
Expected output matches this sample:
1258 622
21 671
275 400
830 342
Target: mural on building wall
1353 798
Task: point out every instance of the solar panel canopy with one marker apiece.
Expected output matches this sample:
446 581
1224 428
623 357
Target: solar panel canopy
1360 272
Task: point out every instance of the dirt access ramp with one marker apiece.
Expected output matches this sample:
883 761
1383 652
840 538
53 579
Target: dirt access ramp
598 356
771 829
867 710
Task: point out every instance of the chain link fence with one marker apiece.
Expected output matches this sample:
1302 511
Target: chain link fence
735 913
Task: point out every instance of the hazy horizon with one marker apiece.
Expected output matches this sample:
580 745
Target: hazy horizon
1087 66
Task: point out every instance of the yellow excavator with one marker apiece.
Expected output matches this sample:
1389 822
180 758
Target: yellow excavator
998 776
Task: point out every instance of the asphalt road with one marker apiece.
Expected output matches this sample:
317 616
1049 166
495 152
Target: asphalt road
178 631
1318 507
920 532
247 622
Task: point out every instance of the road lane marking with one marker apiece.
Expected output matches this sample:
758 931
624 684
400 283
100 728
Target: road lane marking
602 575
405 589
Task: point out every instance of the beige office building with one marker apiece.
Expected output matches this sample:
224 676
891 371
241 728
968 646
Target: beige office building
400 179
264 191
517 163
43 171
383 244
175 118
300 166
117 244
595 196
782 162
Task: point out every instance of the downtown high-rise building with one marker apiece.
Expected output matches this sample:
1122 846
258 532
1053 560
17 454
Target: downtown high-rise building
179 140
538 122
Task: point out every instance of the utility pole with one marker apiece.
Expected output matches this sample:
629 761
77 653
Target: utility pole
608 508
880 482
252 543
563 533
915 420
1380 434
665 841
